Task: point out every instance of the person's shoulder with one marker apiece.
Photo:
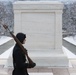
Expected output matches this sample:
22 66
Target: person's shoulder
16 49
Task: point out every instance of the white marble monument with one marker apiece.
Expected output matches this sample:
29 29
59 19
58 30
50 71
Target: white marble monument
41 21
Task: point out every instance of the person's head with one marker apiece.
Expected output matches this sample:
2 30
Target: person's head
21 37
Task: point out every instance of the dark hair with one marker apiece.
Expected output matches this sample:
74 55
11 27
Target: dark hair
21 37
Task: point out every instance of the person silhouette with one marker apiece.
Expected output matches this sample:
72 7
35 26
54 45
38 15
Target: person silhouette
19 58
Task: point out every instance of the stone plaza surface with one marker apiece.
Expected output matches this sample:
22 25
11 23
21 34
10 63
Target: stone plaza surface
42 23
45 70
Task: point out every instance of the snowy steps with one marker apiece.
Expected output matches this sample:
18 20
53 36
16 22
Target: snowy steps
70 44
5 43
5 56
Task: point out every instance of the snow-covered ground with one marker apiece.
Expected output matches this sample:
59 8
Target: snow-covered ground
71 39
69 54
4 39
6 54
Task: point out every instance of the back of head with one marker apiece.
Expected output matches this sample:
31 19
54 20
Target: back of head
21 37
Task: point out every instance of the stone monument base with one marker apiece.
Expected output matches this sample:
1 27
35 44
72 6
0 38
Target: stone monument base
45 59
49 59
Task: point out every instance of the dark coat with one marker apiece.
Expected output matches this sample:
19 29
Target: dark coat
19 62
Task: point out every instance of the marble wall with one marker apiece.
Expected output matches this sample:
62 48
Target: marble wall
42 23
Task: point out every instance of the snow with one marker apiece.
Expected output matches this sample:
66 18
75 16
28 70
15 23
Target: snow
71 39
69 54
4 39
6 54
